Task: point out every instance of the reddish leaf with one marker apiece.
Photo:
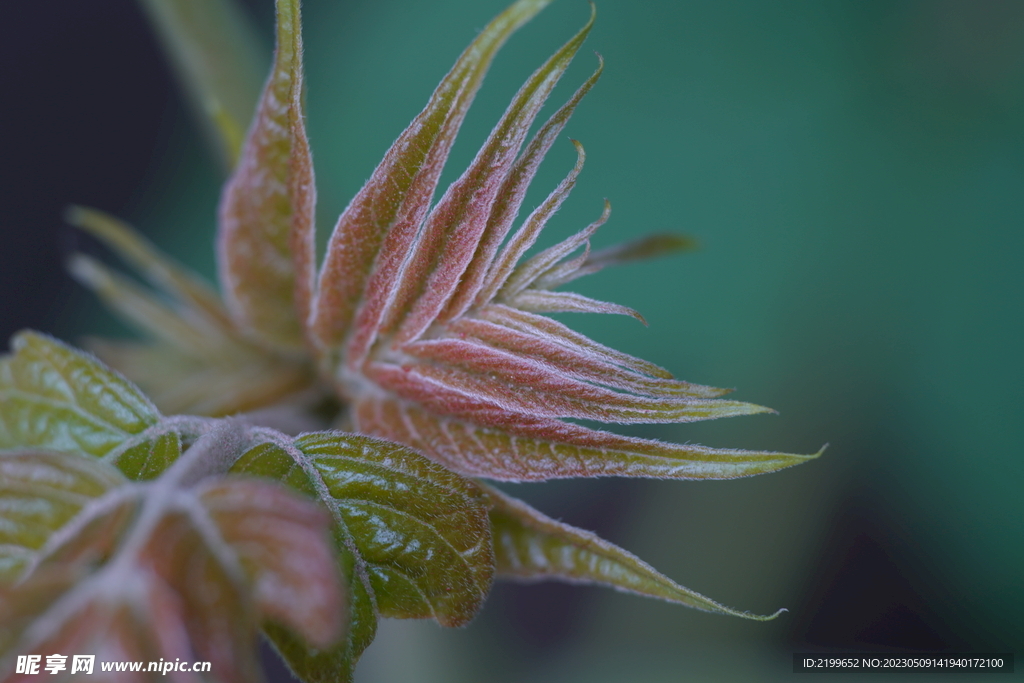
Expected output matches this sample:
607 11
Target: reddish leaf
280 541
266 241
168 570
429 330
369 245
536 449
453 232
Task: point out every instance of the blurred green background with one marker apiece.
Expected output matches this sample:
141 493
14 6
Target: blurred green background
854 172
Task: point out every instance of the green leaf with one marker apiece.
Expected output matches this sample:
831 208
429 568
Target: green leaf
216 54
40 491
529 545
265 240
55 397
149 457
413 537
52 396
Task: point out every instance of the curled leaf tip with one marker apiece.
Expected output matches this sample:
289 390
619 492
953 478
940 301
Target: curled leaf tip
742 614
761 617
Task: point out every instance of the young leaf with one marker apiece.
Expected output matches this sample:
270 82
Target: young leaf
199 362
197 300
172 570
56 397
431 334
531 546
52 396
265 244
537 449
215 385
333 664
425 322
426 326
366 251
413 536
40 492
637 250
456 226
148 455
279 540
216 54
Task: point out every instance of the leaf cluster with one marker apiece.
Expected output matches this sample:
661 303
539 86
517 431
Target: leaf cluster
301 453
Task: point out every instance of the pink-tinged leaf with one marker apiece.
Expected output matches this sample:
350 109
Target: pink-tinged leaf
266 242
178 571
473 286
525 274
505 263
533 547
451 237
206 599
374 234
281 542
536 449
504 390
555 333
562 270
541 301
565 359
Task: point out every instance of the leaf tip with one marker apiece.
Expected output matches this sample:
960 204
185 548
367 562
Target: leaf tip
755 409
764 617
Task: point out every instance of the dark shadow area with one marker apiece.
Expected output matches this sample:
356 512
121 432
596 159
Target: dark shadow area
274 668
87 112
872 590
